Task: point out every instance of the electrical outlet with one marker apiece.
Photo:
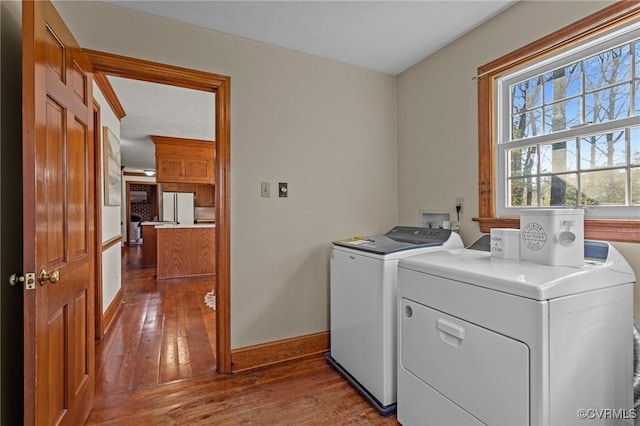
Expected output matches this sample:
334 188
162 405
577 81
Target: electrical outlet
283 190
459 201
265 189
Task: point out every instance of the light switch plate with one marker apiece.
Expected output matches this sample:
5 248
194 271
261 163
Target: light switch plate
265 189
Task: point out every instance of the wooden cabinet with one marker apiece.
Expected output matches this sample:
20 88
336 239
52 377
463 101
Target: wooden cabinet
204 191
169 169
184 160
149 245
179 187
186 251
205 195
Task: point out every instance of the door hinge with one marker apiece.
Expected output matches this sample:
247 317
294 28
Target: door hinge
29 280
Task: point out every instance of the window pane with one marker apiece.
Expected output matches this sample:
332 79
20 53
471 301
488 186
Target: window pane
635 145
523 161
604 188
562 115
527 124
526 95
635 186
523 192
558 157
607 68
605 150
559 190
608 104
563 83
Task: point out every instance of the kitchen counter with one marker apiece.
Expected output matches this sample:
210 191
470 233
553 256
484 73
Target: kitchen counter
185 250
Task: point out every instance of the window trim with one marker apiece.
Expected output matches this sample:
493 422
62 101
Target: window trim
604 20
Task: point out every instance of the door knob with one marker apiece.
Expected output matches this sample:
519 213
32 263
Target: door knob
52 277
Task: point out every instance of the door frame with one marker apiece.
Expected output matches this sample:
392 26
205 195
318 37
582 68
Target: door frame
138 69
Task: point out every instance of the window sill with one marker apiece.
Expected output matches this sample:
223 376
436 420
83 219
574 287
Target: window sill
627 231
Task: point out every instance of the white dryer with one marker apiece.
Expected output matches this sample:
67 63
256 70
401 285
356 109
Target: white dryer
488 341
364 306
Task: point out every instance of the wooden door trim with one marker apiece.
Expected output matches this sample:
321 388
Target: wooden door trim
138 69
264 354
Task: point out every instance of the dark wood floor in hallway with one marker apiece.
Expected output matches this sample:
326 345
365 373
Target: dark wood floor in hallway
157 366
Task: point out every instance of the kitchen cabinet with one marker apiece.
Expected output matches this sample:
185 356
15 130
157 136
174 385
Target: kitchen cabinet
181 160
186 251
204 191
149 245
179 187
205 195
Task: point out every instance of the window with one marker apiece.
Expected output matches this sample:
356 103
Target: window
566 131
569 130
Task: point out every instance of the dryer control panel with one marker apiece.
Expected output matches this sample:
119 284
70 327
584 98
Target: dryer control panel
414 235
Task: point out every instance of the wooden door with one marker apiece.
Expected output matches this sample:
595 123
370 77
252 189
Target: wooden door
59 229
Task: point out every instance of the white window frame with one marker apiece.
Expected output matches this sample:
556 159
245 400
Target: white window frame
502 112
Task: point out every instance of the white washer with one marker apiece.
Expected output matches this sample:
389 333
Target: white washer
487 341
364 306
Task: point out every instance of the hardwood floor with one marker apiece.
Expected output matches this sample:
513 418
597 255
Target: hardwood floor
157 366
164 332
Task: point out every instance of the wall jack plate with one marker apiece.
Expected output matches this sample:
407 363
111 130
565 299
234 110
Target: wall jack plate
283 190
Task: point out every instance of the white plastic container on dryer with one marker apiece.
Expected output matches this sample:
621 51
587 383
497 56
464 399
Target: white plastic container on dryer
505 243
552 237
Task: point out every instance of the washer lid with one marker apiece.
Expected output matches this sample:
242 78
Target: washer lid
400 238
525 279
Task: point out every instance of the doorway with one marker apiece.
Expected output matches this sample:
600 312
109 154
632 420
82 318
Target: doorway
120 66
142 206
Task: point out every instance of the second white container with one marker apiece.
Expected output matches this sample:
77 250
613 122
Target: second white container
552 237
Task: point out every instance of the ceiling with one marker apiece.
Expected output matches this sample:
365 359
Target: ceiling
159 109
384 36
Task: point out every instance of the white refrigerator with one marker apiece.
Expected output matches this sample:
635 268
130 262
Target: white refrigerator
178 207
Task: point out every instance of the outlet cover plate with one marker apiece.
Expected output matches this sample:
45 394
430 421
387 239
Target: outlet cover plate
283 190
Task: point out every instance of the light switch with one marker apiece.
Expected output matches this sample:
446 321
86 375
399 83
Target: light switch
265 189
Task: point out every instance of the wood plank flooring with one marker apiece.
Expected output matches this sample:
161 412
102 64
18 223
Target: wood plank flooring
164 332
157 366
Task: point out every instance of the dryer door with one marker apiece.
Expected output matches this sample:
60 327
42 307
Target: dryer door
483 372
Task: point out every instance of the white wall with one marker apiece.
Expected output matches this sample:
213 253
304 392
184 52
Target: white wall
437 110
328 129
111 258
110 214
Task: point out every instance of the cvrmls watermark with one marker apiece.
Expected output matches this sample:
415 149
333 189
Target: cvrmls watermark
607 413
